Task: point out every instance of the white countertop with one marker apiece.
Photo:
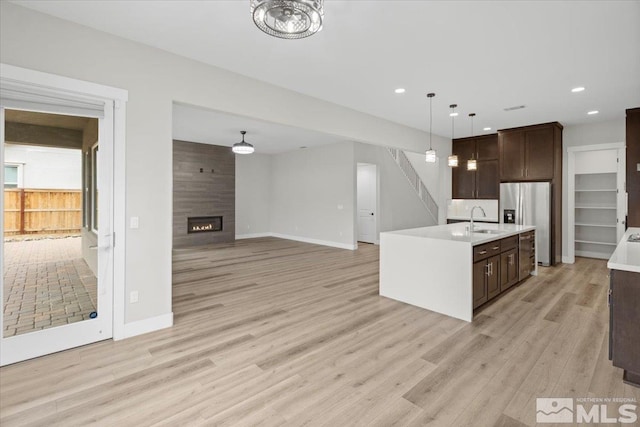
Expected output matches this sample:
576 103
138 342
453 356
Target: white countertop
627 254
466 218
458 233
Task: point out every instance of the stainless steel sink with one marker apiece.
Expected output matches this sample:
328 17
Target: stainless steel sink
485 231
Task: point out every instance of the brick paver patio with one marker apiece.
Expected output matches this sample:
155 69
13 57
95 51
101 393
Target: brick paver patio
47 283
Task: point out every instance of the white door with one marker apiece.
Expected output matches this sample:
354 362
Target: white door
50 323
367 179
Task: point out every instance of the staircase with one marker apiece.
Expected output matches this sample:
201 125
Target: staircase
414 179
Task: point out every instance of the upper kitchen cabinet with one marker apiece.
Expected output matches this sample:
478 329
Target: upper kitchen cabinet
531 153
483 183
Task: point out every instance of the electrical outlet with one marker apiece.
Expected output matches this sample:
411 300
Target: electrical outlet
133 297
340 207
135 222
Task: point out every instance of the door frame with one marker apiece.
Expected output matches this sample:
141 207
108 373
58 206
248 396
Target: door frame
377 207
36 81
570 258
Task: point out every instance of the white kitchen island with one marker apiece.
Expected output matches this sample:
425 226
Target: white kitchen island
432 267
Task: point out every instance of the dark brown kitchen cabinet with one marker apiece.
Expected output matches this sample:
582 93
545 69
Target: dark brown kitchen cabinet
508 269
486 280
534 153
526 254
463 181
511 155
633 160
624 333
483 183
529 153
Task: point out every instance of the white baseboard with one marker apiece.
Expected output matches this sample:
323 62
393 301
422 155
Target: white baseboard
152 324
351 247
568 259
252 235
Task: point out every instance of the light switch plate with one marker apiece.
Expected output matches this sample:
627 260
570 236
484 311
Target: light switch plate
135 222
133 297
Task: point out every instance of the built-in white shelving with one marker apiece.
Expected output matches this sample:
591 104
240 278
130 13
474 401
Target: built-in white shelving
596 199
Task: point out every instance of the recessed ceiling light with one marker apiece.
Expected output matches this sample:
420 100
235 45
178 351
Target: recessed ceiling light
591 113
453 114
577 89
400 90
486 128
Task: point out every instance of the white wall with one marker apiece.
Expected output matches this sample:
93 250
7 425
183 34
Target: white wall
313 194
155 79
594 133
436 177
399 205
253 195
47 167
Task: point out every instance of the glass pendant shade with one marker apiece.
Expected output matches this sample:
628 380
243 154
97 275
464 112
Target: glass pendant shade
452 161
431 156
288 19
472 165
242 147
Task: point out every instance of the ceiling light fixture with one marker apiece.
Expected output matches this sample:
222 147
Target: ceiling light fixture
400 90
430 155
242 147
591 113
486 128
472 164
452 160
577 89
288 19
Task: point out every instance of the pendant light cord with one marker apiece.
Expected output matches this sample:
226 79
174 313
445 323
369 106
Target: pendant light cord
430 120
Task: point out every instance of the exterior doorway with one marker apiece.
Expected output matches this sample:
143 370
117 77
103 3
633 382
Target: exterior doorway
57 139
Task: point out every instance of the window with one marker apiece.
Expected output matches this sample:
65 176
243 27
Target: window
94 187
12 176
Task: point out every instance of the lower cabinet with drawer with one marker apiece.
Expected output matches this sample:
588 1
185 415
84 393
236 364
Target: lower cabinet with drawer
496 265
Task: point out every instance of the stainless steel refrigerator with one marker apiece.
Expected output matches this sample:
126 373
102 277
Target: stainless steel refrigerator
529 203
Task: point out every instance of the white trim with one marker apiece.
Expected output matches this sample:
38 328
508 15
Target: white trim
571 187
568 260
145 326
119 219
117 97
252 235
351 247
11 73
591 254
596 147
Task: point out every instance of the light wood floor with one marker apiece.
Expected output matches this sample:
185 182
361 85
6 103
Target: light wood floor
274 332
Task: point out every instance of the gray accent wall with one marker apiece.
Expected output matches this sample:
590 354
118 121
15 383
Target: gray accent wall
205 193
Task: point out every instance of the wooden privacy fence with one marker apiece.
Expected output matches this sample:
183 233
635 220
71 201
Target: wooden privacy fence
31 211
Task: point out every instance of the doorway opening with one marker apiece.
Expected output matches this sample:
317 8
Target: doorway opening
50 221
367 203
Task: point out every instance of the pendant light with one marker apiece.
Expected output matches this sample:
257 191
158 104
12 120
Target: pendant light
452 160
472 164
288 19
430 155
242 147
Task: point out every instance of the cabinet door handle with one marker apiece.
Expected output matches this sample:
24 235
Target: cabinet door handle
487 272
495 248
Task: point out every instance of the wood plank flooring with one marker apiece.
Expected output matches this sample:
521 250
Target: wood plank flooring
275 332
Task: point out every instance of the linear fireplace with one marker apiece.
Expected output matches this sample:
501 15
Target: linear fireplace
204 224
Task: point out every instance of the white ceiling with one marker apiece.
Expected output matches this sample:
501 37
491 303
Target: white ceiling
195 124
484 56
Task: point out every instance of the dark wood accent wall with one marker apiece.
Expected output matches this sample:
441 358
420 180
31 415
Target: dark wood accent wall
204 184
633 163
